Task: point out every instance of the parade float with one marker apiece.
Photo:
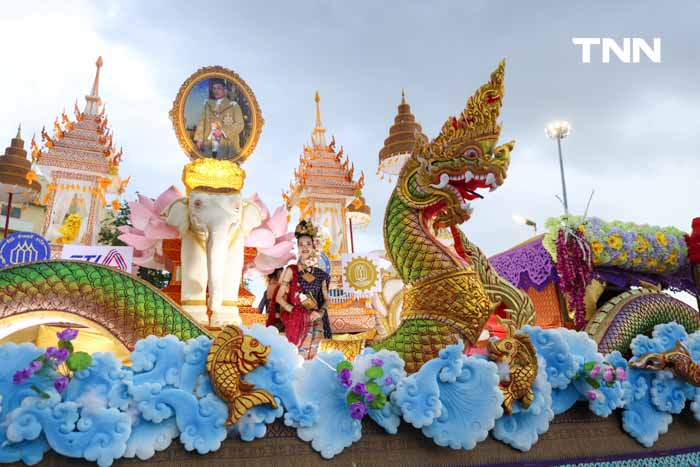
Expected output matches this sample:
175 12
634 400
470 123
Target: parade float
586 359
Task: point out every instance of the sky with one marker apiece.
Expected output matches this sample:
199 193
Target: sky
635 133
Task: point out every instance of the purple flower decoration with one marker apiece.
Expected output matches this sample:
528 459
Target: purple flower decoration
359 388
35 366
21 376
592 395
59 355
61 384
388 381
358 410
369 397
377 362
344 377
67 334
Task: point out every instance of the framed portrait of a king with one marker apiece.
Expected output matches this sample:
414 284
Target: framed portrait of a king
216 115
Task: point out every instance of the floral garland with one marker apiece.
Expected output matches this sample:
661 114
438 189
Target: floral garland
363 396
56 366
597 375
640 248
574 270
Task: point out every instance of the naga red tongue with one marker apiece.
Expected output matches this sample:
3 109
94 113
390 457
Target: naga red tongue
458 244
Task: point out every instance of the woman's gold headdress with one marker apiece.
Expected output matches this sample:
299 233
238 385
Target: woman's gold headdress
305 228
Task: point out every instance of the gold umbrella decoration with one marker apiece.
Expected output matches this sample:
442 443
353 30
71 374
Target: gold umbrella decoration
399 145
18 182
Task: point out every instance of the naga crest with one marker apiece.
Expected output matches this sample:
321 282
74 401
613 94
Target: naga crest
445 173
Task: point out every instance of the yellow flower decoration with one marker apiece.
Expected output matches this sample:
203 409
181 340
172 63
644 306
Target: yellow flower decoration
582 229
652 263
596 247
637 261
672 257
621 259
615 241
661 238
642 244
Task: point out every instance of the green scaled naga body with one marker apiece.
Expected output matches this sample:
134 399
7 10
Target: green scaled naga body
128 307
450 292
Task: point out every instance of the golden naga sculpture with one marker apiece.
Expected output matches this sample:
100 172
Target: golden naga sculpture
678 361
450 292
232 356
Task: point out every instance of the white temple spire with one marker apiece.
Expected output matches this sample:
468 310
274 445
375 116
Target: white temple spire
92 106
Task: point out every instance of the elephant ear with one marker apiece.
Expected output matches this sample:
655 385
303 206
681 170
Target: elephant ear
252 217
177 215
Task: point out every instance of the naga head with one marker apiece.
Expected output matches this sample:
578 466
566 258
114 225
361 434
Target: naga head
662 360
445 173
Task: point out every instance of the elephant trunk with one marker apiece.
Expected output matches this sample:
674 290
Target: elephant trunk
217 245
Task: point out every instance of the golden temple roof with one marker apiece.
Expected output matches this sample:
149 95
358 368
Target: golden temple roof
402 134
322 169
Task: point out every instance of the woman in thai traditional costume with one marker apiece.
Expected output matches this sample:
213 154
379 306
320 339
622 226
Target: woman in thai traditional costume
269 304
303 296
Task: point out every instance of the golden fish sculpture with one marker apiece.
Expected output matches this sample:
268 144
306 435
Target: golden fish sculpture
519 353
232 356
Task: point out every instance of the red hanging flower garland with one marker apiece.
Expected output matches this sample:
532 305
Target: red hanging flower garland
575 271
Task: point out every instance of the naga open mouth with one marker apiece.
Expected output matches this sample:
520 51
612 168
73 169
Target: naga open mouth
464 186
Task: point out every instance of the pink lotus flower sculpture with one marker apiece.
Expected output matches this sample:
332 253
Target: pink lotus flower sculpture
271 239
148 230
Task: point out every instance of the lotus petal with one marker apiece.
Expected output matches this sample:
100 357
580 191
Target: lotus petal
139 242
278 250
166 198
139 215
278 221
147 202
260 238
159 229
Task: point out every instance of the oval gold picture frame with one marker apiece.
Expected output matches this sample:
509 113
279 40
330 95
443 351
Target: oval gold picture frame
184 130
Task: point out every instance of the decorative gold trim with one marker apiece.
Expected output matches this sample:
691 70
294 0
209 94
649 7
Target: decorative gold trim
204 302
177 113
193 302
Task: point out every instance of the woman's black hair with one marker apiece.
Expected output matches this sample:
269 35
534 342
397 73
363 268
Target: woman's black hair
274 275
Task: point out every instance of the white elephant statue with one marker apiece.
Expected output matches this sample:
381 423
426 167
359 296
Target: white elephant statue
213 226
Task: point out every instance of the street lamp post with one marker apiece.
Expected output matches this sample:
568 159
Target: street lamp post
560 130
524 221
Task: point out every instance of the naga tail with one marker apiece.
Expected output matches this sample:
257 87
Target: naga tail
636 312
247 401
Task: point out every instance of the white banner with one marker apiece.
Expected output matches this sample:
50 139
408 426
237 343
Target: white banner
118 257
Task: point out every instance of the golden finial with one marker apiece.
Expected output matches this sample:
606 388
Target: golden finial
19 131
99 62
317 98
403 97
